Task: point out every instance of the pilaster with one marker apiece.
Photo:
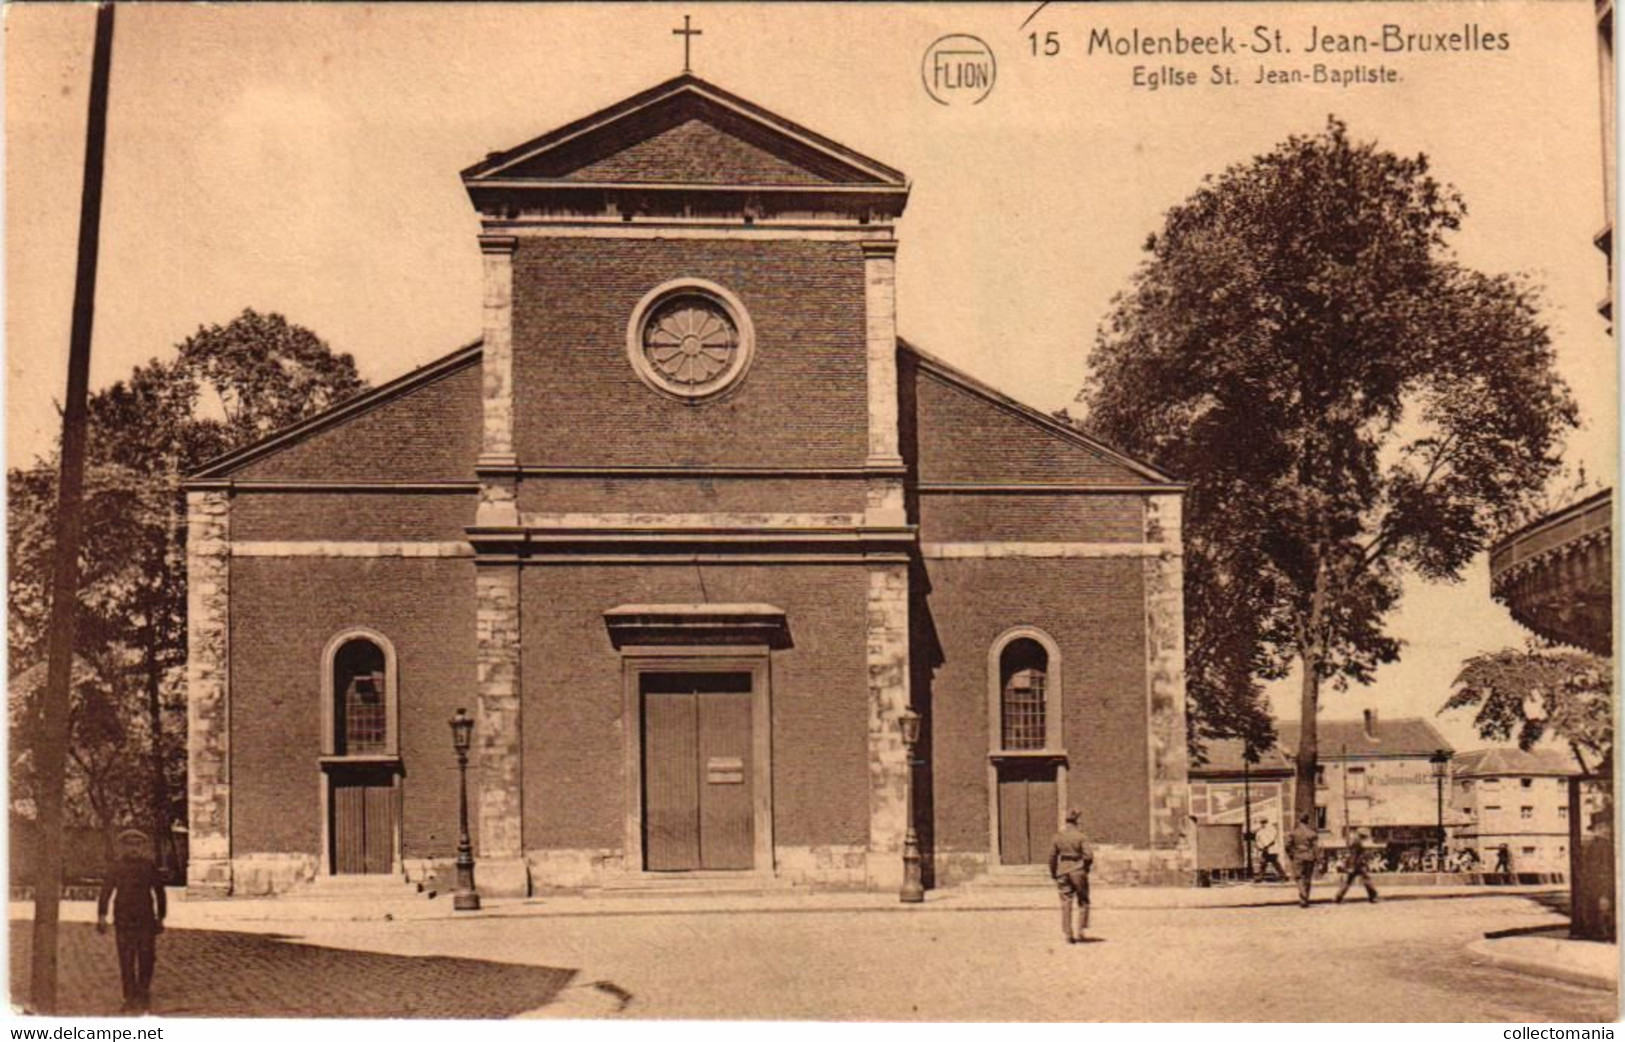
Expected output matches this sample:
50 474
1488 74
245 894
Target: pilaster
499 804
1164 580
886 618
884 504
497 462
208 692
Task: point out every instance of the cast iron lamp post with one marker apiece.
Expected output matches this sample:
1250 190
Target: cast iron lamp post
1247 835
1440 760
467 899
913 891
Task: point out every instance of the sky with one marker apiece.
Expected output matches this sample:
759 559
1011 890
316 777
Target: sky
304 159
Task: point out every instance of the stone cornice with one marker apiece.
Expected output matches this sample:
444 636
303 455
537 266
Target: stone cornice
972 488
993 550
699 472
686 541
430 488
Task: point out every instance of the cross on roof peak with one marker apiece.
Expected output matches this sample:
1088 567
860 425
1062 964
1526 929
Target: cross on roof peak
687 34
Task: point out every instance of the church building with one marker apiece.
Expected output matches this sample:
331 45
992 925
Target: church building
689 531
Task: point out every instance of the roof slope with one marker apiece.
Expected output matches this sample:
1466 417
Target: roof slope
1224 756
969 432
1407 736
362 417
685 131
1505 761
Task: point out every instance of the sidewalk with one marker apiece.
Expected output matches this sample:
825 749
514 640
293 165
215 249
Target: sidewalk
408 906
1553 955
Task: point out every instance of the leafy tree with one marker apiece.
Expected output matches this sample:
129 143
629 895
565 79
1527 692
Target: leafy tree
226 387
1349 403
1535 692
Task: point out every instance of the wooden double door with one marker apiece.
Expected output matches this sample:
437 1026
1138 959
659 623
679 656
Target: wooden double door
698 772
361 826
1029 810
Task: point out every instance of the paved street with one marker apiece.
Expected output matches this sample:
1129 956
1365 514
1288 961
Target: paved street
1398 960
217 973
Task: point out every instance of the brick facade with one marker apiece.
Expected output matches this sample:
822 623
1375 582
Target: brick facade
528 524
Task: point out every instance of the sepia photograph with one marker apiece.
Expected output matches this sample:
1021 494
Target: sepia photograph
815 512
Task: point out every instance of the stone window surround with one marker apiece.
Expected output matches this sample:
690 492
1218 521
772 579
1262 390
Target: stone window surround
1054 745
752 659
737 371
330 694
329 759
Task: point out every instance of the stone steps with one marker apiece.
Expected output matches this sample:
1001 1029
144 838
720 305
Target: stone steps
694 886
357 888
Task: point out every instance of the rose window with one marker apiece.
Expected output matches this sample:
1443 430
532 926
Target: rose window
690 342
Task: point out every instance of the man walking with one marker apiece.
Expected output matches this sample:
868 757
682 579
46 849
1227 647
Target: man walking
138 916
1303 847
1265 839
1355 868
1070 859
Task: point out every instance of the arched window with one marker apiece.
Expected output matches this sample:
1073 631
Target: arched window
360 695
1023 671
1024 689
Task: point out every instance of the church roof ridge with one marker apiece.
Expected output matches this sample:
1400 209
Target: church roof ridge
490 168
222 466
945 370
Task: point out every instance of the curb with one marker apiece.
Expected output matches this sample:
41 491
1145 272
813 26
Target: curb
1534 967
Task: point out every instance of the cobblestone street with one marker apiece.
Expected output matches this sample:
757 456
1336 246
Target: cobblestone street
210 973
1403 959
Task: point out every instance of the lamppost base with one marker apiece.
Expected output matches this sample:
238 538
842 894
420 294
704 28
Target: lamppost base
465 902
912 893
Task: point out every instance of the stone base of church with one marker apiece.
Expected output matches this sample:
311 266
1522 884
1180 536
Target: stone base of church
954 868
207 878
501 877
573 869
1114 866
833 865
259 875
1136 866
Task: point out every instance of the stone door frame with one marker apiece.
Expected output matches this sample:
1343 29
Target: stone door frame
754 660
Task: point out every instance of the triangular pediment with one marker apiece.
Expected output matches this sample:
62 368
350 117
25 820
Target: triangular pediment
684 132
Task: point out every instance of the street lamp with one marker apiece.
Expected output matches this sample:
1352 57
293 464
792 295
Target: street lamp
467 899
913 891
1440 760
1247 836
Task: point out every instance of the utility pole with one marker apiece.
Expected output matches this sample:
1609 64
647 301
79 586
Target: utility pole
51 738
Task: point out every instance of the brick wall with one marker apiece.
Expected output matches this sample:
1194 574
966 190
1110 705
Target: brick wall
665 495
1031 517
369 516
430 433
579 401
283 613
1095 612
573 739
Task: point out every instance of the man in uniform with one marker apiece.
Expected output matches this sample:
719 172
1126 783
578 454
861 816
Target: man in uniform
1070 859
138 916
1355 869
1303 847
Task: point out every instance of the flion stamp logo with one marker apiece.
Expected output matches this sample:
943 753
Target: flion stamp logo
958 69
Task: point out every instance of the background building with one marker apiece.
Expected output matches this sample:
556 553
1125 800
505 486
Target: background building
1227 792
1380 775
1517 798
